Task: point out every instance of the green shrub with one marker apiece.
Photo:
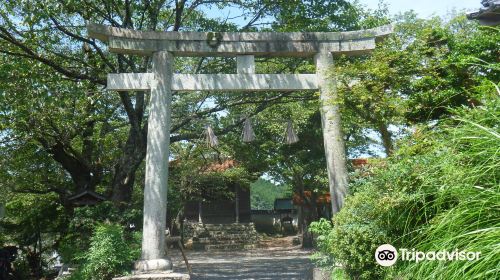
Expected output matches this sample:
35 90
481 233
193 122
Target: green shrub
357 231
83 224
440 191
473 222
109 254
322 229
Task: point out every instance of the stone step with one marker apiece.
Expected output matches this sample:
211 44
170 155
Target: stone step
216 242
224 233
225 227
225 238
228 229
227 247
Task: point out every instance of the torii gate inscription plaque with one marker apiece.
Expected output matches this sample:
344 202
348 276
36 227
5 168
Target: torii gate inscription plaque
163 46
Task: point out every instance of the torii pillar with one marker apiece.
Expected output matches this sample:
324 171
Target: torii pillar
163 46
333 138
157 155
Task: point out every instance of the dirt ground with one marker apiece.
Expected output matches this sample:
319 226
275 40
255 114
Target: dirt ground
276 258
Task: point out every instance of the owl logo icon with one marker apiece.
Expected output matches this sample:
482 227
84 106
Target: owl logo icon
386 255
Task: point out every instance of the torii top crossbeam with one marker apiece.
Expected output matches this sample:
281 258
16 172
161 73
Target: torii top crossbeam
301 44
244 46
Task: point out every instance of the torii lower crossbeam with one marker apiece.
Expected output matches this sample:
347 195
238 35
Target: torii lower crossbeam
217 82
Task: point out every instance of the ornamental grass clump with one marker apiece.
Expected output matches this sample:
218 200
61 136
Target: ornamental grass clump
440 191
473 221
109 255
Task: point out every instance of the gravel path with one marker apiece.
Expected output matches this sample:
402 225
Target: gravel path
263 263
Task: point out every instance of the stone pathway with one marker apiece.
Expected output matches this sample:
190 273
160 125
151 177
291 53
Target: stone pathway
263 264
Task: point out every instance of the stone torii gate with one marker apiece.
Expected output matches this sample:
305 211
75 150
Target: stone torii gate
161 82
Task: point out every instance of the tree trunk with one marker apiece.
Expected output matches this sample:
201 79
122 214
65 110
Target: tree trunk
300 220
310 216
308 211
123 181
386 136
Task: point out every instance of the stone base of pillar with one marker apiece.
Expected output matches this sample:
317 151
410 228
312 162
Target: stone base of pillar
156 276
159 269
153 266
320 274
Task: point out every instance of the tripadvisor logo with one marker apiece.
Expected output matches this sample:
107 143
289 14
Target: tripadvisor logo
387 255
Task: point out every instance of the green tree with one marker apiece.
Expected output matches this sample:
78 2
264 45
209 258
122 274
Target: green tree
264 193
416 75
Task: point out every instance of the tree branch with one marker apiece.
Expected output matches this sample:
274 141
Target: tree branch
5 35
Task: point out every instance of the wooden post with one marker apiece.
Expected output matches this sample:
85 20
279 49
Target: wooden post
200 213
237 204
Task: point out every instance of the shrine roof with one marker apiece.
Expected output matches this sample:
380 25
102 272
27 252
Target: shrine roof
216 166
221 166
489 15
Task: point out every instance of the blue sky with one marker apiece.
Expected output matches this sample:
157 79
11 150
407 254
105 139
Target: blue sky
426 8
